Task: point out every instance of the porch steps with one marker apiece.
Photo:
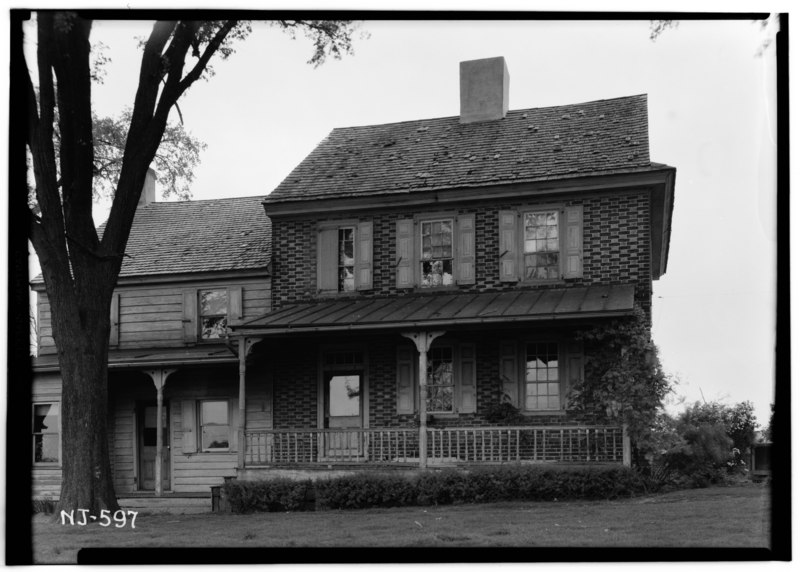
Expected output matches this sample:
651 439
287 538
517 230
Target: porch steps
167 504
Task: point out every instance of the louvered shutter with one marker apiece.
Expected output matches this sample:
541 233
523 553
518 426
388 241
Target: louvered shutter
508 246
190 315
234 304
467 378
466 249
113 339
234 427
509 372
327 260
189 426
405 381
573 356
364 260
404 266
573 243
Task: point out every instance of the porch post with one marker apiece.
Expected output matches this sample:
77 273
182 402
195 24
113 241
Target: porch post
423 341
159 377
242 374
626 446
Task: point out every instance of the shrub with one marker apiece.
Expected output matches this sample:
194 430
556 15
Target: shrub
278 495
44 506
449 486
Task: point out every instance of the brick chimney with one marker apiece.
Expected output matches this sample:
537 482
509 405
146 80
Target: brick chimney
149 189
484 90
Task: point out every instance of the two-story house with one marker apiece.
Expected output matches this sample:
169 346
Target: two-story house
190 269
426 271
374 310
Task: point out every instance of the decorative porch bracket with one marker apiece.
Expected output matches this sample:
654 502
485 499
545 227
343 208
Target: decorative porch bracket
423 341
159 377
245 347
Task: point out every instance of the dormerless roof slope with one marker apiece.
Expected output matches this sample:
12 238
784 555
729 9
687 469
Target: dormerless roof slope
598 137
198 236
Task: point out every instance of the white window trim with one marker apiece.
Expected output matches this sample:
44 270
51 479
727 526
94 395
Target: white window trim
59 433
522 211
452 216
200 425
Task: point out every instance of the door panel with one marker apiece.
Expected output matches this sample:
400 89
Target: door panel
343 411
147 447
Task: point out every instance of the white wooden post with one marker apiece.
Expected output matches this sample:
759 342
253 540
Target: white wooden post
626 446
423 341
159 377
242 374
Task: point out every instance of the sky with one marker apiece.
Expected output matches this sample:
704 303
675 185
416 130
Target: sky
711 116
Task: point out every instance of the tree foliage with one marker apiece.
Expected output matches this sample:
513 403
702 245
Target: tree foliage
623 377
738 421
70 151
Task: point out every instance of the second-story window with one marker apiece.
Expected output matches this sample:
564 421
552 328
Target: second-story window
541 245
347 259
213 313
344 257
436 256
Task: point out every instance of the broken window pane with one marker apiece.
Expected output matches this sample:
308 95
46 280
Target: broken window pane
45 430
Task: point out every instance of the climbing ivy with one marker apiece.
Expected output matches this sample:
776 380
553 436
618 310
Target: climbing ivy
623 377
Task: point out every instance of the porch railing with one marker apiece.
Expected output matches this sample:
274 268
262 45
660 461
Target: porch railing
450 445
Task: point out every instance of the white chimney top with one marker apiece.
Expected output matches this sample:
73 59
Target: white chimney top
149 189
484 90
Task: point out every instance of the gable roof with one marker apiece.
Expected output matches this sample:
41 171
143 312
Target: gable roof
598 137
198 236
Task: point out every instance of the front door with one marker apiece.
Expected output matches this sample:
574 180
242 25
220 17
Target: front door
146 421
343 415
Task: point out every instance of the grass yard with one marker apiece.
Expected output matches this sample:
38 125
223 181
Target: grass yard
730 517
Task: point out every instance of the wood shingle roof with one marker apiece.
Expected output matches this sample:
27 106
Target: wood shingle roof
593 138
198 236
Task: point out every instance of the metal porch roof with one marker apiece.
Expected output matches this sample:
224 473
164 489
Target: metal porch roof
141 358
443 310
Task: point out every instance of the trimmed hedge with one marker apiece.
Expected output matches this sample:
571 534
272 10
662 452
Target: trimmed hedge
449 486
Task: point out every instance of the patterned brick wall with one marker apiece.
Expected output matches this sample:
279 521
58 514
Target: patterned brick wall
616 248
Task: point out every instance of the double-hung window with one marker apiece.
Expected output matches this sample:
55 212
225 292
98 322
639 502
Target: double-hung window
537 374
46 433
441 380
208 311
540 244
344 257
435 251
450 381
215 425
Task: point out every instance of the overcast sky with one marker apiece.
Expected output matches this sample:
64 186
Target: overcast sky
711 113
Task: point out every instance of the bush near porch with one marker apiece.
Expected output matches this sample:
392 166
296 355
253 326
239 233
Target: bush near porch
437 488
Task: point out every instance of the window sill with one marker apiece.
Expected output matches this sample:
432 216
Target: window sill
443 415
544 412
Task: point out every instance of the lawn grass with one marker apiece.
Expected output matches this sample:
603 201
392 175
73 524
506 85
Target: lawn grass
730 517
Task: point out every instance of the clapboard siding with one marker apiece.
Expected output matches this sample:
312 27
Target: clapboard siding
151 316
46 483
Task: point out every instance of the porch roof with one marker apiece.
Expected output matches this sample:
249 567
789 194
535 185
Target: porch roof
444 310
143 358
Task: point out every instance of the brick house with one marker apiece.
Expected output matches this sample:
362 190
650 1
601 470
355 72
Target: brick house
381 304
426 271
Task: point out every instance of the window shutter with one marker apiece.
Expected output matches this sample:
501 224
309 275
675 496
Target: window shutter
467 378
466 249
405 381
189 426
114 336
234 304
509 372
508 246
190 315
364 261
574 360
405 253
573 244
234 428
327 260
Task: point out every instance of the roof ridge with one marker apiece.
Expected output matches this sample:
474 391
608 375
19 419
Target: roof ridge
521 110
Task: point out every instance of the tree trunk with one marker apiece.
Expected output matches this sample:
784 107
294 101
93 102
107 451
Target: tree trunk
81 328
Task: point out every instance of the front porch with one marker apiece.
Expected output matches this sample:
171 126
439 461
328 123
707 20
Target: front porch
446 446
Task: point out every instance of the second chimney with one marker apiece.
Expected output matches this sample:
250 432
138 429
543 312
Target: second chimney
149 189
484 90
